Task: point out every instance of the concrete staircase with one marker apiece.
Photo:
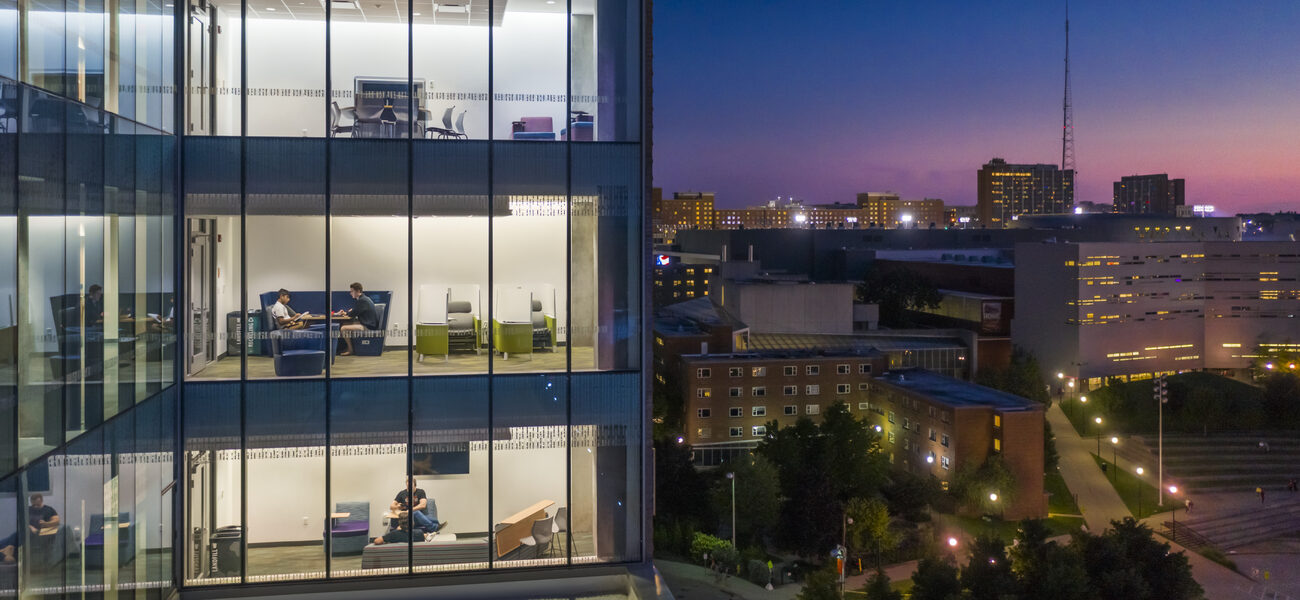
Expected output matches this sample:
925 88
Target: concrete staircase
1278 518
1221 462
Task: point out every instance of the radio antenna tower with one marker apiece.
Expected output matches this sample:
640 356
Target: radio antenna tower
1067 128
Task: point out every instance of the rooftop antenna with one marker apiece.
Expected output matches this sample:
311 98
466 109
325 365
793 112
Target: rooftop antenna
1067 126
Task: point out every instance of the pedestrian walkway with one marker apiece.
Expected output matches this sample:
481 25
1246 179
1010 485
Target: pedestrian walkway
1097 499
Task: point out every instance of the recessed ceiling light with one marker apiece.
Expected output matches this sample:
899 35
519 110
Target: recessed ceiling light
550 1
416 14
270 9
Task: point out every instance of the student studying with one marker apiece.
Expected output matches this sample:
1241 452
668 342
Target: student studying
284 316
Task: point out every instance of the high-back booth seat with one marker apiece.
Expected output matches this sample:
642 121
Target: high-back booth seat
462 326
370 343
543 327
351 533
298 353
445 549
533 128
96 535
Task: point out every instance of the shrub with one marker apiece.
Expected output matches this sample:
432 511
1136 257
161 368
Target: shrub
757 573
715 547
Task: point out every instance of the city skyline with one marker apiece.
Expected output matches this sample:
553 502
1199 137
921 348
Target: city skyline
923 97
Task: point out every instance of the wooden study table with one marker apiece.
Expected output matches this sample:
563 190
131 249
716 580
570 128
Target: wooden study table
518 526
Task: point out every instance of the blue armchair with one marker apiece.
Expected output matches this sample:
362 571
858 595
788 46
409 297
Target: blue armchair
95 540
298 353
350 534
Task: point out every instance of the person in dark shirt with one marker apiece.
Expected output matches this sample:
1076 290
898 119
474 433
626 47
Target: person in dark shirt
401 535
415 500
95 305
40 516
367 318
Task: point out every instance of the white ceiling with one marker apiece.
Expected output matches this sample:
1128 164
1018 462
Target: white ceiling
442 12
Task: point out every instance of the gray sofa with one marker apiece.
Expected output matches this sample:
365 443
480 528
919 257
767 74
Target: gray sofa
444 549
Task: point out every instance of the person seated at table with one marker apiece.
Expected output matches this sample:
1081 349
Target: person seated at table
41 516
9 547
367 317
285 317
401 535
95 305
415 500
166 324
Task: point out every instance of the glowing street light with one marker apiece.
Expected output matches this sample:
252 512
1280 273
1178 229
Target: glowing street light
952 542
1114 459
1097 420
1139 472
993 497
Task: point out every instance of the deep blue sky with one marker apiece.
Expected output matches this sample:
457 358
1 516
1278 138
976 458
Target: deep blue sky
821 100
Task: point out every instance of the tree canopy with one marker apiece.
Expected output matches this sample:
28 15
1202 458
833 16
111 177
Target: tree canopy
821 467
897 291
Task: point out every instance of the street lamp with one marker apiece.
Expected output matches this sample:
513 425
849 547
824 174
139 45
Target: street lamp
1114 462
1098 422
1139 472
1083 400
1173 530
732 477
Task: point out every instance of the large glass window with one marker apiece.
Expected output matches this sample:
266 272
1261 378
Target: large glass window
529 311
368 249
284 249
285 76
214 476
530 462
285 475
450 59
8 278
449 254
529 76
368 468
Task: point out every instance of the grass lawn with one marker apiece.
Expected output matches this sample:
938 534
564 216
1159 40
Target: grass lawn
1131 489
1061 500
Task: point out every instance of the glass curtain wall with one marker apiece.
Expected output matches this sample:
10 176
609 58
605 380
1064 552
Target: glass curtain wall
476 169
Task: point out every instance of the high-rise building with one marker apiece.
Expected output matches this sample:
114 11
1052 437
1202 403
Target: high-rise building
351 252
1007 191
1149 194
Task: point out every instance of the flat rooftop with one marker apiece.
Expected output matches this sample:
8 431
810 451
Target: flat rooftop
955 392
830 342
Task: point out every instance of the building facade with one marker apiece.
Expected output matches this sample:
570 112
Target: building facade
935 425
685 210
730 398
455 199
1149 194
1137 309
1007 191
887 209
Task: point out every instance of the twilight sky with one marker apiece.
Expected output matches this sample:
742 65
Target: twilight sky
820 100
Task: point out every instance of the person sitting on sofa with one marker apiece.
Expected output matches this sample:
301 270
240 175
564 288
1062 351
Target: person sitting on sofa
9 547
364 312
401 535
414 499
284 316
40 516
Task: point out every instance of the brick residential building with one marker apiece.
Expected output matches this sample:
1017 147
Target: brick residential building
935 425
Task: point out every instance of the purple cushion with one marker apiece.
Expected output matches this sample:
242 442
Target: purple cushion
95 539
351 528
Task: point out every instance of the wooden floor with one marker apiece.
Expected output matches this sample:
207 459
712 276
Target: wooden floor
393 363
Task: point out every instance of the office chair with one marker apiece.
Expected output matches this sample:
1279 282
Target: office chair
336 116
460 126
445 131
